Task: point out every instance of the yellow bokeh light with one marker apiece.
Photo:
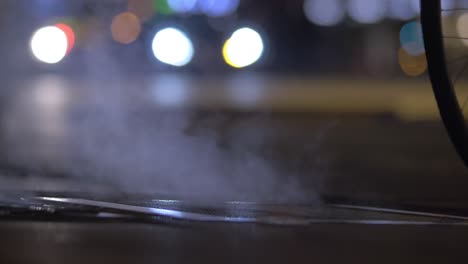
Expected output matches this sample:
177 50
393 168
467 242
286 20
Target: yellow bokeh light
412 65
125 28
226 56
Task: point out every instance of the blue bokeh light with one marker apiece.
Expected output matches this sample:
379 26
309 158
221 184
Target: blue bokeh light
401 9
217 8
182 6
411 38
324 12
366 11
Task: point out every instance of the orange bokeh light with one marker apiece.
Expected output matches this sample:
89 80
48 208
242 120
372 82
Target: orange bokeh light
125 28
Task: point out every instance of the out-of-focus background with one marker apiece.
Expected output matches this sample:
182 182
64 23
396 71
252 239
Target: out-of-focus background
314 38
233 99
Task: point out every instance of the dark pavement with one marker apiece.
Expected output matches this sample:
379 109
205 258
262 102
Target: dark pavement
46 242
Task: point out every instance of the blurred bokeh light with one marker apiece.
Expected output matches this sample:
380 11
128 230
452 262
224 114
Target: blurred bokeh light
296 43
218 8
324 12
172 46
401 10
366 11
49 44
69 33
162 7
411 38
183 6
125 28
412 65
243 48
415 5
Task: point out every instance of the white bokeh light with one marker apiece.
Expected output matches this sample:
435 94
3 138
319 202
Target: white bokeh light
324 12
49 44
243 48
366 11
173 47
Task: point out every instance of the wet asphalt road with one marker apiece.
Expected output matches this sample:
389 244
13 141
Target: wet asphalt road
52 242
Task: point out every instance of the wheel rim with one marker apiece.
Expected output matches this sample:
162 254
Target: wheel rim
449 107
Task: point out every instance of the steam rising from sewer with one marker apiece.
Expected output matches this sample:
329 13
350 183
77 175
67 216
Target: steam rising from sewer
113 135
